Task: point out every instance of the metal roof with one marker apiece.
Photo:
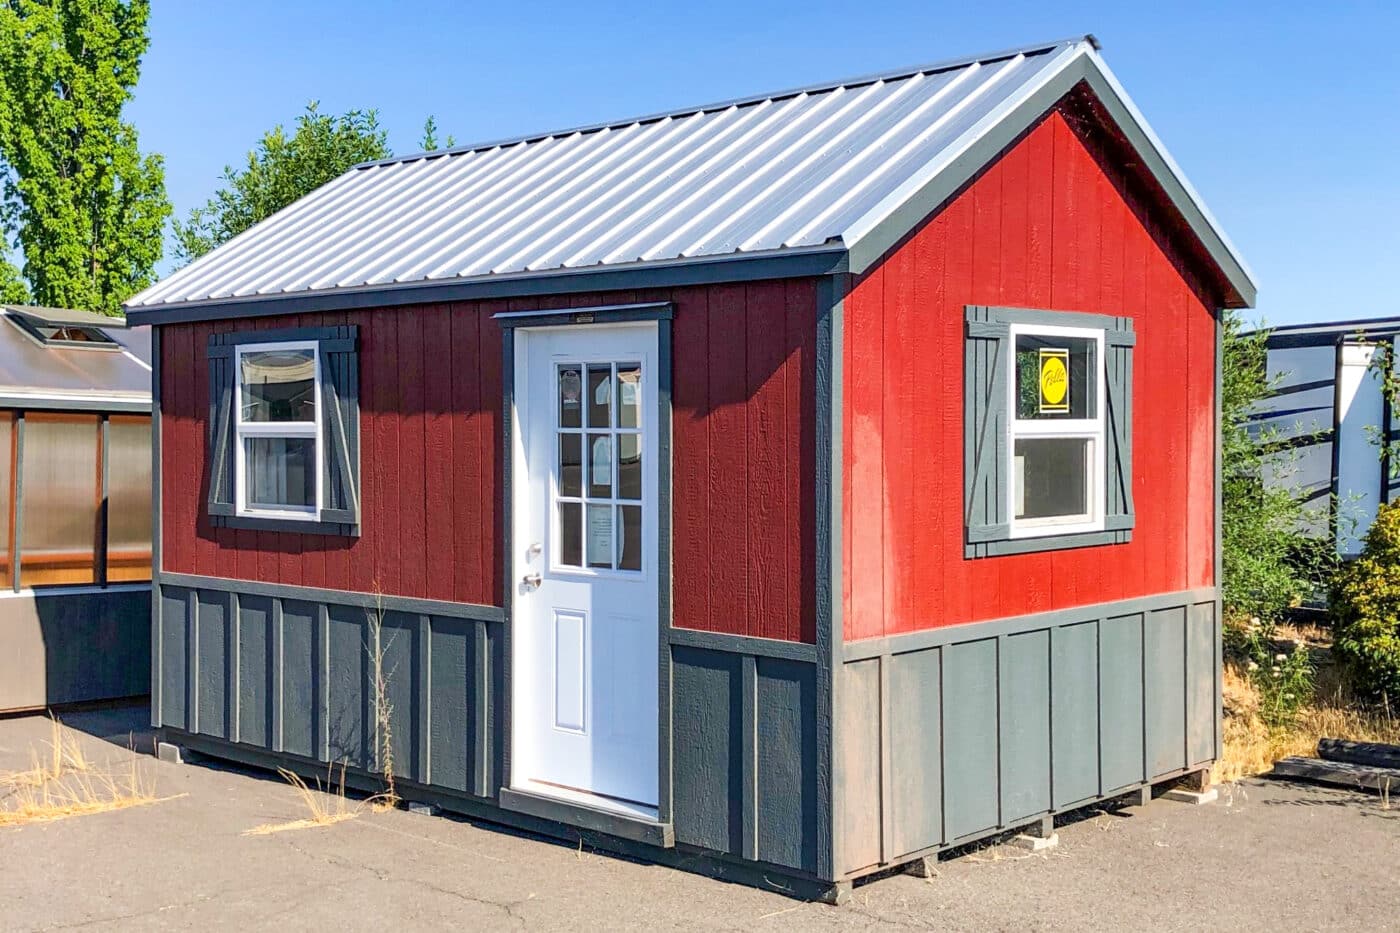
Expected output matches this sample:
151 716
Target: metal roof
811 168
113 377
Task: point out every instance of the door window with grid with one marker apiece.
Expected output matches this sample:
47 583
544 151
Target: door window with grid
598 467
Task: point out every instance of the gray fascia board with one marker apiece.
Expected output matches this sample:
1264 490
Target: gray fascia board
138 406
744 644
603 314
408 604
783 264
869 249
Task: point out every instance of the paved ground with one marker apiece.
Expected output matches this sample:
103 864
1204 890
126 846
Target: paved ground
1268 856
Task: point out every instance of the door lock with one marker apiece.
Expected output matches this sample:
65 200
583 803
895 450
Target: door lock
532 580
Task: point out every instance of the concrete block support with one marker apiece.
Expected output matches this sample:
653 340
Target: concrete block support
170 752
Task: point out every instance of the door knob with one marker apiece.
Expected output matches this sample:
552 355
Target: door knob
531 580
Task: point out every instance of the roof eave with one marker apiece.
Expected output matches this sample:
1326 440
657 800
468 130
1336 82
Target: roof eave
794 262
890 221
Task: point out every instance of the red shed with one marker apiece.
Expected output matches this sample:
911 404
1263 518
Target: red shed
764 486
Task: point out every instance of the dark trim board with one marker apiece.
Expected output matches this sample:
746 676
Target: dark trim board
952 735
134 406
786 264
382 601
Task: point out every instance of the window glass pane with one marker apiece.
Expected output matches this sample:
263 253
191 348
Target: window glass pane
570 465
571 534
600 465
599 395
1051 477
60 500
1056 377
629 537
629 466
279 385
599 535
629 395
280 472
129 499
570 396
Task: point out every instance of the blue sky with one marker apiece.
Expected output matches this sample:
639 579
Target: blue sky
1282 115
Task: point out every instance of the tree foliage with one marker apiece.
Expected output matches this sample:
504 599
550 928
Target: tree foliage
1365 603
278 171
1270 565
429 140
81 202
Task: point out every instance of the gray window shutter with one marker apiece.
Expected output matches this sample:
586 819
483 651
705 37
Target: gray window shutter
984 424
340 414
221 491
1118 348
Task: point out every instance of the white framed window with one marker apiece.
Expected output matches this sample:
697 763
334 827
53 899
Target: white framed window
1056 407
279 448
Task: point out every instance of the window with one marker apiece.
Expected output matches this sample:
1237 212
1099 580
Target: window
1048 430
598 479
284 432
128 451
1056 430
279 436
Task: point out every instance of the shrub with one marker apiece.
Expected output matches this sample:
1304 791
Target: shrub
1366 609
1282 675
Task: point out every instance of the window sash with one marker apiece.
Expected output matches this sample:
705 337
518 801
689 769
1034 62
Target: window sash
276 429
1091 429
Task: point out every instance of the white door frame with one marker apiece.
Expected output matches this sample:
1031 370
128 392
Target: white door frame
659 831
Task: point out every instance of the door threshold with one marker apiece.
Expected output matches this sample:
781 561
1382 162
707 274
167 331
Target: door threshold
588 811
628 808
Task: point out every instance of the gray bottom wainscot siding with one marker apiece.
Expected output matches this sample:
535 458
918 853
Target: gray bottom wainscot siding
277 675
949 735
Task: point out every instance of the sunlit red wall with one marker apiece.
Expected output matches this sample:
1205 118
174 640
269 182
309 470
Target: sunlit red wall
1054 224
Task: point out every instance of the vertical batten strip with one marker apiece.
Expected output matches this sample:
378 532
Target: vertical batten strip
423 724
276 698
233 693
323 681
481 710
192 659
886 755
748 688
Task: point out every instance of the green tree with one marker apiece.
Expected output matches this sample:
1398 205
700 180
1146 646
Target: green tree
1270 565
82 203
278 171
429 140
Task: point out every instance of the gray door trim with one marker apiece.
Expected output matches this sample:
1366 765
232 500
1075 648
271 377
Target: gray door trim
661 313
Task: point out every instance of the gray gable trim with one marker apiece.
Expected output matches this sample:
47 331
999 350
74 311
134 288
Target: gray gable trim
868 247
795 263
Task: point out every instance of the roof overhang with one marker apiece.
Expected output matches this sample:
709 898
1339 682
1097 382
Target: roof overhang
887 223
747 267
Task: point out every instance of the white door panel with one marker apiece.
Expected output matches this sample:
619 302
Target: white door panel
585 537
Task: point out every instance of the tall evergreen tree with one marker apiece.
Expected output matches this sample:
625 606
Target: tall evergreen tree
80 201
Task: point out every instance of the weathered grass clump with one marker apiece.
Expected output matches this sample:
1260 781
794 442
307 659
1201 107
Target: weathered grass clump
63 783
324 806
1253 744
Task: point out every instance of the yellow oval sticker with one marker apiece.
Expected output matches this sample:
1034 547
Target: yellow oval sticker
1054 381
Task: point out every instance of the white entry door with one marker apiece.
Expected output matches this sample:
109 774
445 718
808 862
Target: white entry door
584 621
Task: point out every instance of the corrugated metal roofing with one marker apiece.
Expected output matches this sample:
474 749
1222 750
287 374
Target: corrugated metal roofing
762 175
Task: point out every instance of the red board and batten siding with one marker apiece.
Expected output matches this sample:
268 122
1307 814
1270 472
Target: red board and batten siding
431 487
1052 224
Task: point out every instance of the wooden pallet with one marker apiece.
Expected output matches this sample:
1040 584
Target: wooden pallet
1339 774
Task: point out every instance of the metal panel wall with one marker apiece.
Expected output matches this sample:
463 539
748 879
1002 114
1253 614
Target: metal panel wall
954 734
73 647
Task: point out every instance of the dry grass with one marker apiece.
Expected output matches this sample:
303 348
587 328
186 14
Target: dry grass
63 783
64 756
325 807
1251 747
